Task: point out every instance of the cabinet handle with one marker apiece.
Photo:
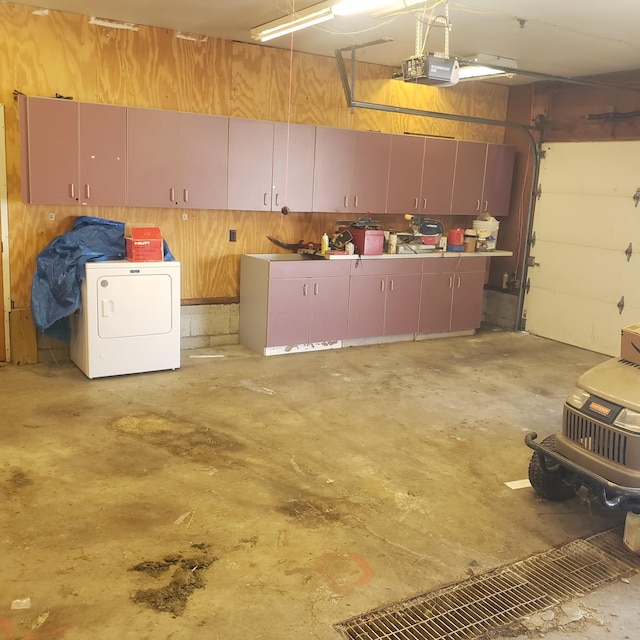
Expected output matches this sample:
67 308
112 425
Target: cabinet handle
381 285
264 199
87 191
450 282
172 194
277 199
185 195
415 206
355 202
316 289
391 286
346 201
304 289
486 205
424 204
477 205
72 190
458 282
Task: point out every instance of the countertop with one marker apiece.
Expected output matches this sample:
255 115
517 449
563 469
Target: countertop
384 256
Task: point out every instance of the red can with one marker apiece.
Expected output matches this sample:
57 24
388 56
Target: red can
455 237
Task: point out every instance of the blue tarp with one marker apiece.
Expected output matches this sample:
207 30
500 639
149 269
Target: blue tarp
55 291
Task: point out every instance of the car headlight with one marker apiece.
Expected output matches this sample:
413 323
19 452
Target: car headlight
628 419
578 397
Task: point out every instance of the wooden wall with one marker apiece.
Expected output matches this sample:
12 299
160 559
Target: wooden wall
62 53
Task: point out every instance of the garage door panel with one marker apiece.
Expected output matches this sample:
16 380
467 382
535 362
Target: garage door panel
583 223
573 218
608 168
582 322
564 268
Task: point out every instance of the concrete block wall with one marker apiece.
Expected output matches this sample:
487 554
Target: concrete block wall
209 325
201 325
500 309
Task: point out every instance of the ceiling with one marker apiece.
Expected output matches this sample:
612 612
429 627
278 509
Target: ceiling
568 38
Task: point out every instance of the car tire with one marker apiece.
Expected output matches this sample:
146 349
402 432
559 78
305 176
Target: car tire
549 482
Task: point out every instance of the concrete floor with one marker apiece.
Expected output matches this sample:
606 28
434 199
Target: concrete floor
325 484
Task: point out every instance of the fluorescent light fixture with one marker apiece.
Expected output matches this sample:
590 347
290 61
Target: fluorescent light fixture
316 14
351 7
482 66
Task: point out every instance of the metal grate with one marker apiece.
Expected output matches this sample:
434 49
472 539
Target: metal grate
595 437
488 602
611 543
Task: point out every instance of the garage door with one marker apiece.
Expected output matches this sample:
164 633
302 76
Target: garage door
585 278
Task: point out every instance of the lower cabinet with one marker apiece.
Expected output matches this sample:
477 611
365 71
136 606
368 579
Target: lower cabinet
288 303
385 298
451 295
305 310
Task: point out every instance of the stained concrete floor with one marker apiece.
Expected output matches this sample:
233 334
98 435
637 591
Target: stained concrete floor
318 486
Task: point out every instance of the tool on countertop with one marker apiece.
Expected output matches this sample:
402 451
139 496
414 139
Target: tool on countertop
422 235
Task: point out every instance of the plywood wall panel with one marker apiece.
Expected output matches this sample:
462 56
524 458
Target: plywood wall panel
63 53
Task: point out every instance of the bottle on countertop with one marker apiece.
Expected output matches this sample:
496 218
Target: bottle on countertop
392 243
324 244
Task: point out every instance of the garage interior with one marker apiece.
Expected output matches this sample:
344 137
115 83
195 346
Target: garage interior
287 496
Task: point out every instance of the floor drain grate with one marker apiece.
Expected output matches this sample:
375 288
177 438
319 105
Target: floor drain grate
611 543
487 602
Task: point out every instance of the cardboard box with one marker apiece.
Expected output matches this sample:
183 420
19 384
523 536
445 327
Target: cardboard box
368 242
143 243
630 344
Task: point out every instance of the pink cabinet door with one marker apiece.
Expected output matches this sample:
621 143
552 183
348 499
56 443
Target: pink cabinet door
405 174
466 311
437 177
204 143
366 306
52 148
304 310
102 154
435 302
469 178
328 316
402 304
498 178
334 154
370 173
293 158
153 157
288 316
250 164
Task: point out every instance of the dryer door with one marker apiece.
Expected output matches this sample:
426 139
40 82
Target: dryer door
134 305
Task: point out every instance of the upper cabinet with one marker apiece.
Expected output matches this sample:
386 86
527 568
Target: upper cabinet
334 154
270 165
250 164
483 176
72 152
498 177
437 176
370 172
293 160
351 171
405 174
421 175
95 154
176 159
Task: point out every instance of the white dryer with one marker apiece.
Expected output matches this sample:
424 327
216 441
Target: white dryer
129 319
